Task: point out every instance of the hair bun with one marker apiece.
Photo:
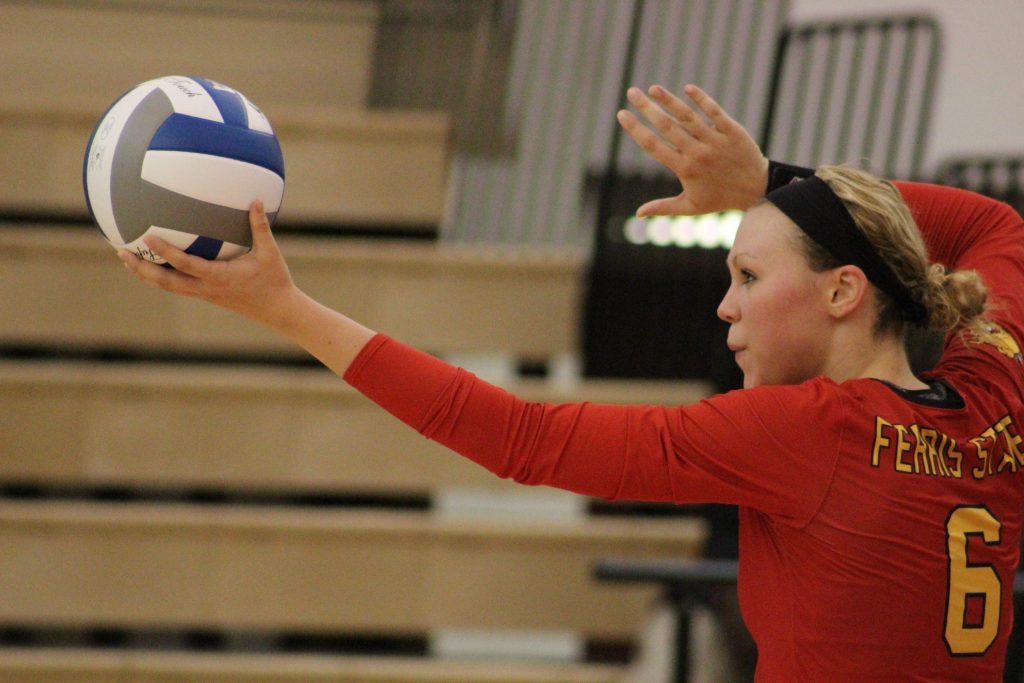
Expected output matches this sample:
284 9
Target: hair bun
953 298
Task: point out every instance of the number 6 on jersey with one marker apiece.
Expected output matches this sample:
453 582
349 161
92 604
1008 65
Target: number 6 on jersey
971 581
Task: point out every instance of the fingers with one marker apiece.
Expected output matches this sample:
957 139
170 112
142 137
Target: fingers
718 116
678 126
156 275
651 111
667 206
260 225
195 266
263 242
680 112
660 150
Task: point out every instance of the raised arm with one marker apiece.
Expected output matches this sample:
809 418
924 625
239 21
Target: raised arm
721 167
968 231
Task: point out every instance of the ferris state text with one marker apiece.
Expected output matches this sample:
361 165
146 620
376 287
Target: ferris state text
912 449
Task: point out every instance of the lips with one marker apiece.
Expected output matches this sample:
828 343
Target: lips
738 353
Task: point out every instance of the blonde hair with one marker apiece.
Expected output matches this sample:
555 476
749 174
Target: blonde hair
953 299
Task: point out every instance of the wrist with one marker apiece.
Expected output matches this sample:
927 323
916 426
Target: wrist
761 181
331 337
284 310
780 174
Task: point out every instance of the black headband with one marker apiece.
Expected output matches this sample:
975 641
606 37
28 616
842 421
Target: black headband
821 214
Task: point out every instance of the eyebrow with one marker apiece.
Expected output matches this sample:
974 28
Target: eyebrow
731 258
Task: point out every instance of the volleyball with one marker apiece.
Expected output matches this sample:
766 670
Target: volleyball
182 158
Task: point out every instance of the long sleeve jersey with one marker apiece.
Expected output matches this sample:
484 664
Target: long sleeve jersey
880 527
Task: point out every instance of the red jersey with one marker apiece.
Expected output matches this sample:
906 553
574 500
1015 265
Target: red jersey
880 527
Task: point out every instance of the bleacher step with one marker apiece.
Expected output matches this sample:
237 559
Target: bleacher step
240 428
275 51
174 565
65 286
309 66
343 166
95 666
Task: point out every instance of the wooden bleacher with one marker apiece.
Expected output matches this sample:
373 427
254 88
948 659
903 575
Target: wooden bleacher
307 65
110 386
181 426
65 286
99 666
167 565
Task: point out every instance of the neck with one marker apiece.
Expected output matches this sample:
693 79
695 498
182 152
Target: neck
876 357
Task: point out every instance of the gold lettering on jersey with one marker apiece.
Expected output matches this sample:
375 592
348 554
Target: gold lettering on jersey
923 460
915 449
881 441
954 454
984 466
902 446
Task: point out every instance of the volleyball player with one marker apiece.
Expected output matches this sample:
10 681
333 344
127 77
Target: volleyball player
880 510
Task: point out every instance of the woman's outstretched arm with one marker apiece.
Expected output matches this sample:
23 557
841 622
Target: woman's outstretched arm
259 286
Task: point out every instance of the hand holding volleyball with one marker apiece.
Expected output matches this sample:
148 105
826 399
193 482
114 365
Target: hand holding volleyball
183 159
257 285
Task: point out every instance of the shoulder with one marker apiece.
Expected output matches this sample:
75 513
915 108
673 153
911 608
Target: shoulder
818 403
815 389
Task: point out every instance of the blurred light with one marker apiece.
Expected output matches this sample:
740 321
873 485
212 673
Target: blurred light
707 231
682 231
710 231
635 230
659 230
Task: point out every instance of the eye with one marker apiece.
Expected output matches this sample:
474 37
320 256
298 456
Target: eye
746 276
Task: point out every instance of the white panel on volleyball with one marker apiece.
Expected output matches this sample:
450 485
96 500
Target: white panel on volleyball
189 97
256 118
205 177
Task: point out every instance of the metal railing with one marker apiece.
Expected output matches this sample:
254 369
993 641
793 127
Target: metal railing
857 92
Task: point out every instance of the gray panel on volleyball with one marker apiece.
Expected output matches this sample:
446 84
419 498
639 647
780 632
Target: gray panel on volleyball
138 204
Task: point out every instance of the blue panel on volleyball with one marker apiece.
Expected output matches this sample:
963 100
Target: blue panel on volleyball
183 133
207 247
228 102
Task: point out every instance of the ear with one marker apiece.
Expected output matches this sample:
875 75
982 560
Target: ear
847 289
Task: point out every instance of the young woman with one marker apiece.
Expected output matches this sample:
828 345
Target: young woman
880 511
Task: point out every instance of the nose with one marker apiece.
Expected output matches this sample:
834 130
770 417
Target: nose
727 310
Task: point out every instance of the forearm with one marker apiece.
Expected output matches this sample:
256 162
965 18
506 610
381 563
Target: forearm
332 338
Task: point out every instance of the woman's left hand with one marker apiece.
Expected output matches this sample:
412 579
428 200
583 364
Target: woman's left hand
715 158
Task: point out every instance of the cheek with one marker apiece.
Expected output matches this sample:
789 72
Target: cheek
778 310
785 336
793 305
